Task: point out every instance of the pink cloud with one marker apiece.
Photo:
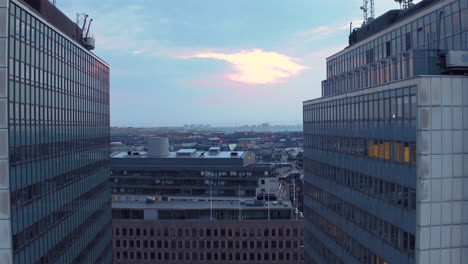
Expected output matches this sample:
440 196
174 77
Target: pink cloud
257 66
214 82
136 52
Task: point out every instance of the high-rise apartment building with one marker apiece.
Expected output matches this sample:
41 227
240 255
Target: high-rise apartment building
386 146
54 140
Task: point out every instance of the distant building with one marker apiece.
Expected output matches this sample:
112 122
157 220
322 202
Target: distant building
187 172
385 146
194 206
55 202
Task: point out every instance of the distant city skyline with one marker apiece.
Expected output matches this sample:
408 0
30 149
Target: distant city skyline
219 62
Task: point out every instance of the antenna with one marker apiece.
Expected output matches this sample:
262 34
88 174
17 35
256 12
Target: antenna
87 31
86 40
405 4
84 25
81 20
368 9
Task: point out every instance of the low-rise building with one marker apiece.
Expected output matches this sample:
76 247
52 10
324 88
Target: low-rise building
207 231
193 206
187 172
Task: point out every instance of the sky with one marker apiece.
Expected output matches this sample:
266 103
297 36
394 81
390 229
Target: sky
217 62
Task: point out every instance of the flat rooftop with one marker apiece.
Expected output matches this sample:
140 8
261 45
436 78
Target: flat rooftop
200 205
195 154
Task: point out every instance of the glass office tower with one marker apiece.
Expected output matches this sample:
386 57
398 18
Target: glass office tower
54 140
386 146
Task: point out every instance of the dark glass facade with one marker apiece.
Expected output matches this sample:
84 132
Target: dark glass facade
359 164
408 50
224 182
365 159
58 135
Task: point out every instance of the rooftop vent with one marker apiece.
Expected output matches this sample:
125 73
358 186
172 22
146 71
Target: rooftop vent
214 150
185 152
158 147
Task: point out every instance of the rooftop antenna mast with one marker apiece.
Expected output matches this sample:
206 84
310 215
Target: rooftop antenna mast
368 9
405 4
87 40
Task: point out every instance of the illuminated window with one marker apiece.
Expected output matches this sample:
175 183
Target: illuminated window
371 148
387 150
399 152
381 150
407 153
376 150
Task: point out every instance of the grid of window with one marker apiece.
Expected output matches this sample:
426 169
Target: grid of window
370 128
262 244
389 105
201 214
228 183
392 193
397 151
58 115
352 246
320 250
393 55
393 235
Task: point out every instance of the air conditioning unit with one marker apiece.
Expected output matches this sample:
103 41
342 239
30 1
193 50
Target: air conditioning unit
456 59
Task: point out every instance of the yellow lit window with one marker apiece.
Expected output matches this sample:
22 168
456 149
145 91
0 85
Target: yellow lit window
407 153
381 150
387 150
370 151
378 260
376 150
399 150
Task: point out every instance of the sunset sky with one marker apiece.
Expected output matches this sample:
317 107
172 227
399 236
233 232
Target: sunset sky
218 62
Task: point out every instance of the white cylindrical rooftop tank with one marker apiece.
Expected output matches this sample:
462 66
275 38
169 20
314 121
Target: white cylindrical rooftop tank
158 147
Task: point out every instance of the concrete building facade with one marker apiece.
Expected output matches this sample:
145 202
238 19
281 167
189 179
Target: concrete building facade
385 147
186 232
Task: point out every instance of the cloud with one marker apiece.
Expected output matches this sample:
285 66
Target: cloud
257 66
136 52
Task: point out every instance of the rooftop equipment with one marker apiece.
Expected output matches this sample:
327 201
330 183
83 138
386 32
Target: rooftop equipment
185 152
214 150
158 147
405 4
368 10
88 41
